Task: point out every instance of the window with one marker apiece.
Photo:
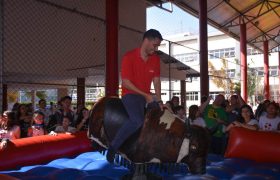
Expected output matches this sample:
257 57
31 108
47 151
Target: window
273 71
222 53
187 57
251 51
231 73
260 71
192 96
176 94
214 94
276 49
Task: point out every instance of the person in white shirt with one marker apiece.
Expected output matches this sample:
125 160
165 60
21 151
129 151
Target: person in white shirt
65 128
195 116
271 121
9 129
247 119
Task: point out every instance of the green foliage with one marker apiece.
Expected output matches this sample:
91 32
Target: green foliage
41 94
13 96
219 77
252 82
237 87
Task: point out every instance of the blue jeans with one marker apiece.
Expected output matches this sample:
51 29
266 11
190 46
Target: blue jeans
135 107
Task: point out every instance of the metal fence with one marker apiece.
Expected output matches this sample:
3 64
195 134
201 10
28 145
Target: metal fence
48 44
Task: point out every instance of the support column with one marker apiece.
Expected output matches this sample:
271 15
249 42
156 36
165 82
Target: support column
266 70
81 92
33 102
278 75
169 70
243 59
203 48
3 94
4 98
112 22
183 93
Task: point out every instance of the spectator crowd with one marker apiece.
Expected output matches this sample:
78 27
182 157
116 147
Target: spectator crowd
219 117
223 114
23 122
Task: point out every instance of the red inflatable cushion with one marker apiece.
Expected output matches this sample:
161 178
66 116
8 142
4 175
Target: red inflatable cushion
259 146
42 149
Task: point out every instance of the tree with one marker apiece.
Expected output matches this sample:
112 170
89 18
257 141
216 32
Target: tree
220 77
13 96
41 94
252 82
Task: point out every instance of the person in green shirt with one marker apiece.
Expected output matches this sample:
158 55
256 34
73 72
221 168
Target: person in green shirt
216 120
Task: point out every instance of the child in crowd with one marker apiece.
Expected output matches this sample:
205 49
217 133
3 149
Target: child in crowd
180 112
37 129
65 128
169 106
247 119
195 116
270 121
9 129
25 120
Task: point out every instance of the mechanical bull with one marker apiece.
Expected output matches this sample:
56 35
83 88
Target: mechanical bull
164 138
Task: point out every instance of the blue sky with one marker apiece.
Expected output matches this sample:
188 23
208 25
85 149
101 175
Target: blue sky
172 23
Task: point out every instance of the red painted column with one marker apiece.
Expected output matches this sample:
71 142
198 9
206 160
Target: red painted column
203 48
5 97
243 60
81 92
112 22
266 70
183 93
279 76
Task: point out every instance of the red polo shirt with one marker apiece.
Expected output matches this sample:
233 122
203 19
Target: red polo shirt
138 71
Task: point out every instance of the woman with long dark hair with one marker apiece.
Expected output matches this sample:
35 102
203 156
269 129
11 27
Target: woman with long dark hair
246 120
9 129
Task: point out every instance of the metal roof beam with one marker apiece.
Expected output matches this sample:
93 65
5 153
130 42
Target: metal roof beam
159 4
266 34
256 17
244 12
213 23
273 9
263 33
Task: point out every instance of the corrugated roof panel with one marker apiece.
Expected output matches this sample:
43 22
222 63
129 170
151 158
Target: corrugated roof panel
261 16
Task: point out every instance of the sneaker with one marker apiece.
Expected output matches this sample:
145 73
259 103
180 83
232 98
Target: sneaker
110 156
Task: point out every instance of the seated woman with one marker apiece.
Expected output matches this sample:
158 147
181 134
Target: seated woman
246 120
82 120
38 128
195 116
9 129
270 121
65 128
24 119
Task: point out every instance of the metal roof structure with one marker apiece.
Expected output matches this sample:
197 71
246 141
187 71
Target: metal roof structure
262 18
177 65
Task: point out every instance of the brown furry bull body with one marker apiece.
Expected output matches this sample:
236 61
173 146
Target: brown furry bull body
161 139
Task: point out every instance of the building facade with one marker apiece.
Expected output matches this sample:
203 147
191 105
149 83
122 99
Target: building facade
224 67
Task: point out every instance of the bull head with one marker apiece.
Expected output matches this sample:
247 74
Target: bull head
198 149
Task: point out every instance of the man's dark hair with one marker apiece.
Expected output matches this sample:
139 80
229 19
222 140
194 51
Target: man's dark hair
66 97
152 34
42 100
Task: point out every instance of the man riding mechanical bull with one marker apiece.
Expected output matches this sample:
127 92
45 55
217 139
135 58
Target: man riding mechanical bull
116 124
